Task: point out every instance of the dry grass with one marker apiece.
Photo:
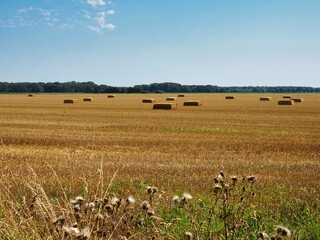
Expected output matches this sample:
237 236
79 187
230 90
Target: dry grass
178 149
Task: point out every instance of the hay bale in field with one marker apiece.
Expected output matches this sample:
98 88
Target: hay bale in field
285 102
181 95
171 98
30 95
165 106
298 100
287 96
230 97
70 101
148 100
265 98
193 103
88 99
111 96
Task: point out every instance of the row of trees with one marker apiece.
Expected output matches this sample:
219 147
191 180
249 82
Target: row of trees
91 87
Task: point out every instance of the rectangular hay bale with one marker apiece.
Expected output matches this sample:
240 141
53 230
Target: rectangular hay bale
88 99
30 95
287 96
111 96
165 106
265 98
70 101
298 100
148 100
193 103
171 98
230 97
181 95
285 102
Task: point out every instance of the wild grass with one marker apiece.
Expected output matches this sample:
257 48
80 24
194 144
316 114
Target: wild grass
177 151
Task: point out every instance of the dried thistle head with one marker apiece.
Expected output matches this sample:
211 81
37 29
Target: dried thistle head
186 197
234 179
131 200
283 231
188 236
145 205
263 236
251 178
79 199
175 199
150 212
217 188
152 190
115 201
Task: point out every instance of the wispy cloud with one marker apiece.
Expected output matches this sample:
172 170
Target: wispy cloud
94 29
95 3
94 15
101 20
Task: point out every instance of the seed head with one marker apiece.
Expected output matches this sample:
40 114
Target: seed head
145 205
251 178
283 231
131 200
188 236
70 230
79 199
234 179
175 199
263 236
115 201
152 190
217 188
186 197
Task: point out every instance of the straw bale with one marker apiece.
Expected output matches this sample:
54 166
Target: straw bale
148 100
165 106
230 97
298 100
171 98
70 101
285 102
88 99
265 98
193 103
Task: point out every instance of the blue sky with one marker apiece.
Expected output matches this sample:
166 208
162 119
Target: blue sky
129 42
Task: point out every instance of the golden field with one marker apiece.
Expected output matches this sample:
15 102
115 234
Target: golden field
176 150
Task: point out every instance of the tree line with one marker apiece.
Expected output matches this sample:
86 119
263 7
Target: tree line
91 87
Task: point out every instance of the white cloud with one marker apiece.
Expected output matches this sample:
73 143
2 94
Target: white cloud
95 3
94 29
44 12
110 12
101 20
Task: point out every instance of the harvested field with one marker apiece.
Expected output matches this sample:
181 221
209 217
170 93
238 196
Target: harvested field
177 151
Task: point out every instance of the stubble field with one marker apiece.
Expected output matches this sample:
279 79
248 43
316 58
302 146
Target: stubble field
178 150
